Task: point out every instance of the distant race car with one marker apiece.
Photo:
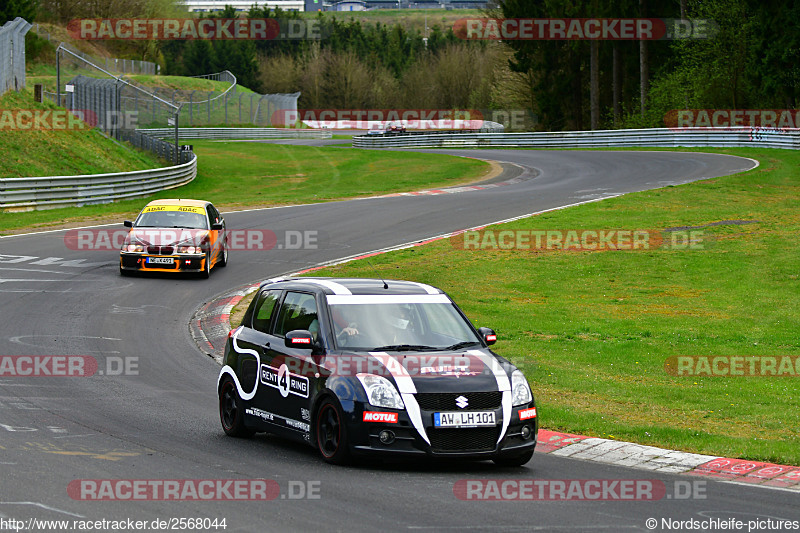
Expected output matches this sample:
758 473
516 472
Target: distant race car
395 127
361 366
175 236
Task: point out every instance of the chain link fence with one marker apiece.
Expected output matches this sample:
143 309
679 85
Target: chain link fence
210 108
110 64
12 54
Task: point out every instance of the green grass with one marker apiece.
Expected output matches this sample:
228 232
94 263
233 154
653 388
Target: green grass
59 152
592 330
184 83
239 175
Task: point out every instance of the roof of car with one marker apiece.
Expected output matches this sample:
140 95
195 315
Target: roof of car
179 201
358 286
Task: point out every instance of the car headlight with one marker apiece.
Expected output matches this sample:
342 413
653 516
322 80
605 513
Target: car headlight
133 248
188 249
520 390
380 391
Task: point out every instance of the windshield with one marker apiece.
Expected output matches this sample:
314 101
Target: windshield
401 327
172 219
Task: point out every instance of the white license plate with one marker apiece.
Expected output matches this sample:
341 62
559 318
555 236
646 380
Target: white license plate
459 419
159 260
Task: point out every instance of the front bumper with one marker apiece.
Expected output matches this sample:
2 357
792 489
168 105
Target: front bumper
179 262
464 443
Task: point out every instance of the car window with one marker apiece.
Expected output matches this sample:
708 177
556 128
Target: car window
264 309
299 311
171 219
214 214
440 321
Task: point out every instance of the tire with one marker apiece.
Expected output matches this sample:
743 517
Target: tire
223 262
331 433
123 273
513 460
231 411
206 273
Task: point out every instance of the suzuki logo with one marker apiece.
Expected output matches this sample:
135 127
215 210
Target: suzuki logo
462 402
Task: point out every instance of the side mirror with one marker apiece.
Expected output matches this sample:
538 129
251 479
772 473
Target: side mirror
488 335
216 226
299 338
128 223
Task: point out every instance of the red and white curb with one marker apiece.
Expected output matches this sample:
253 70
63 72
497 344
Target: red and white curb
643 457
210 324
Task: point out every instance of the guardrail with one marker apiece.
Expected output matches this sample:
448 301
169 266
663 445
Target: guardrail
238 133
24 194
658 137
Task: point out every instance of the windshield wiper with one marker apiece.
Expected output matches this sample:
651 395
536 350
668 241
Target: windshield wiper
459 345
404 348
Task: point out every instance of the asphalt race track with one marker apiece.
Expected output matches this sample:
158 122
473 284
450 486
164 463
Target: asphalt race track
160 420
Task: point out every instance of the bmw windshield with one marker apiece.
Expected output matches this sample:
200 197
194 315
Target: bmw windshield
172 219
399 323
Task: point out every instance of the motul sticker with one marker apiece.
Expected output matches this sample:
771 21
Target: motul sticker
371 416
527 413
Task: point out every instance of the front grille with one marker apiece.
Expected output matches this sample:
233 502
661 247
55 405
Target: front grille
160 250
446 401
463 440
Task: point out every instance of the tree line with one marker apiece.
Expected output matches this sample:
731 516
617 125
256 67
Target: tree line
749 63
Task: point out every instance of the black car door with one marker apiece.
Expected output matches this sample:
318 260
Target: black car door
252 343
286 373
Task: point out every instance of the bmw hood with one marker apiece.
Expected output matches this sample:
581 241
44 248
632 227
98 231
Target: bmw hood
166 236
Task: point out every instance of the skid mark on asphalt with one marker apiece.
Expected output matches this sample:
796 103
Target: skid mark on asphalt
78 451
45 507
140 310
57 338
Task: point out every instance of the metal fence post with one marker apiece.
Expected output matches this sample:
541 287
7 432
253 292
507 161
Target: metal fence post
191 95
58 76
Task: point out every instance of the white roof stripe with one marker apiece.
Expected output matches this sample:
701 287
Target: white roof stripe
337 288
354 299
428 288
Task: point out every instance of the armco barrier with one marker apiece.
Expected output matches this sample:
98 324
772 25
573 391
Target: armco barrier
238 133
18 194
658 137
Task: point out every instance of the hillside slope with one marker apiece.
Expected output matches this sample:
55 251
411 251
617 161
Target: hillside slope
58 152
